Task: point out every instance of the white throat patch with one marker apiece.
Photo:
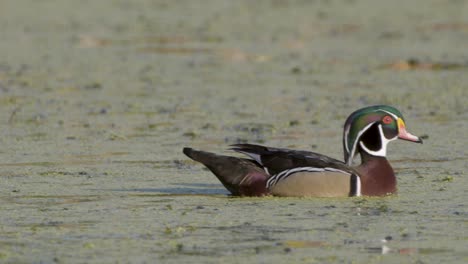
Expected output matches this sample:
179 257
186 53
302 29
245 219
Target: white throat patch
382 152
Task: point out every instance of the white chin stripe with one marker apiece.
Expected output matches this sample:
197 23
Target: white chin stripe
358 186
382 152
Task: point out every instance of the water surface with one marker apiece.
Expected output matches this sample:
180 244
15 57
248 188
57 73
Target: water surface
98 99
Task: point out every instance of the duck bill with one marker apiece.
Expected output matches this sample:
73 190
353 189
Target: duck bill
405 135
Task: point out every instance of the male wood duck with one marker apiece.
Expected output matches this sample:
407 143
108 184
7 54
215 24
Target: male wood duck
286 172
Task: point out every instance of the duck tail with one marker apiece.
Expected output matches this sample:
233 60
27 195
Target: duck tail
243 177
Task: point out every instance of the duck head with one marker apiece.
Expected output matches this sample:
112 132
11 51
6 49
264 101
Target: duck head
371 128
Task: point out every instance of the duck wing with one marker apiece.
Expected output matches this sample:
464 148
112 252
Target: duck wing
277 160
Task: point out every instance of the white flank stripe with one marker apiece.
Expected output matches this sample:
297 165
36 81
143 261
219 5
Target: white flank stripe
358 186
284 174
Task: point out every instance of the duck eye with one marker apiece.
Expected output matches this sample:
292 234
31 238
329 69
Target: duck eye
387 120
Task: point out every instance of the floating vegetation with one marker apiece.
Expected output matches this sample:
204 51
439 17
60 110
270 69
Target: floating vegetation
294 123
190 134
303 244
254 128
416 64
445 179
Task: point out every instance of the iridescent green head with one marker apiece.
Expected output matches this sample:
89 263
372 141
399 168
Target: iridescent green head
371 128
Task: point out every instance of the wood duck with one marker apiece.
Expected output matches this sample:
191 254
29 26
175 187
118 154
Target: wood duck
298 173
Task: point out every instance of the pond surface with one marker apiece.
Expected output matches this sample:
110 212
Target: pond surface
98 98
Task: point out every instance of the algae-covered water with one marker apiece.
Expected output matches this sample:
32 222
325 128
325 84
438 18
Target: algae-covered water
97 99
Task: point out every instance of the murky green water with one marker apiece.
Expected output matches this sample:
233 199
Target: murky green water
98 98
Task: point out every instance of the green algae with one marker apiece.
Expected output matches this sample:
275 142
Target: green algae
98 99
